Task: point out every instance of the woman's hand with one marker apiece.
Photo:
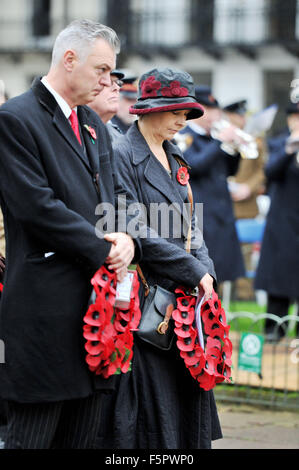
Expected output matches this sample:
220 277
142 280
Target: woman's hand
206 286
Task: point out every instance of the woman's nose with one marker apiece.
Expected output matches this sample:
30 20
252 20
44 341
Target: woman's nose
181 121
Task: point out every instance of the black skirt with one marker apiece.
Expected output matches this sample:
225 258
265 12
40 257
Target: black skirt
158 405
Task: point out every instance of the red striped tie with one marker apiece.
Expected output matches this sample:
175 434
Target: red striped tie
75 125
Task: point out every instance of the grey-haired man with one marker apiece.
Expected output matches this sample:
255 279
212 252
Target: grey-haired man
53 174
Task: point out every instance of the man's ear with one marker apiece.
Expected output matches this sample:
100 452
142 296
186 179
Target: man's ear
70 59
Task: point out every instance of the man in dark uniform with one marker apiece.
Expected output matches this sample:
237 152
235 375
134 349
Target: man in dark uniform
123 119
106 103
278 269
210 167
245 186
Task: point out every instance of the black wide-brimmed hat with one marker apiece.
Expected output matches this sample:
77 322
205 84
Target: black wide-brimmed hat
203 94
165 89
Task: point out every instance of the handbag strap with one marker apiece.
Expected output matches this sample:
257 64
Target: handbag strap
188 243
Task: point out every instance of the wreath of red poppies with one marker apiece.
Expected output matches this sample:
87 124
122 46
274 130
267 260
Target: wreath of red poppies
212 364
108 329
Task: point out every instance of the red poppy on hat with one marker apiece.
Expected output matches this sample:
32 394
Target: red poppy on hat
174 89
150 87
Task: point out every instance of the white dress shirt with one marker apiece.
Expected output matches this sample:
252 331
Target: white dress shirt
61 101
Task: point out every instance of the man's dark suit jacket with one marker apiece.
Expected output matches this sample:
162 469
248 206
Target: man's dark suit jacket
49 194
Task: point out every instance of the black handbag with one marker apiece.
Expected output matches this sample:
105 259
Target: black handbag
156 326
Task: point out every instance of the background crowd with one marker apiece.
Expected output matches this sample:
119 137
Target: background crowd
228 179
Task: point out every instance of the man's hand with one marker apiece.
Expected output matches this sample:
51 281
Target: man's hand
206 286
121 253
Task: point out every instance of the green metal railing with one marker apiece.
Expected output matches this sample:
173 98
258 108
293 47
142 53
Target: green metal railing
277 384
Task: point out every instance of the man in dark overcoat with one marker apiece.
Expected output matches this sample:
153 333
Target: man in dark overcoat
278 269
56 167
210 167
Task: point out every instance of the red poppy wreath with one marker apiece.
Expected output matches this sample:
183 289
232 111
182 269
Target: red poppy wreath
212 364
108 329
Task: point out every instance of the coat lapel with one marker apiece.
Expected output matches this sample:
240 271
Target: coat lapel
62 125
157 176
91 145
64 128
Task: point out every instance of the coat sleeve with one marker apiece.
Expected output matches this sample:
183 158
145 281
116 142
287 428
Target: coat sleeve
201 158
162 256
31 201
123 199
199 248
278 162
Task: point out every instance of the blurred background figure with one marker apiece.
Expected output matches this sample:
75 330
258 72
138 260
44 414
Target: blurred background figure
244 187
106 103
3 98
3 420
210 167
3 94
278 269
128 96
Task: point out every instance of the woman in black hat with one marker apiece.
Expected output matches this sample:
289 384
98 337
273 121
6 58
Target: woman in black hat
159 404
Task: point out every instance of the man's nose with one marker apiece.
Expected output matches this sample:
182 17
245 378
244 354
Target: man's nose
105 79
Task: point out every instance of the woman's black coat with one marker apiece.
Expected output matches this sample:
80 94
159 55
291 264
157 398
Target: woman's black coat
165 260
158 405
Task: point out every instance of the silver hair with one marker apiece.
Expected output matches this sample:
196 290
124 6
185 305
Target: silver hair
80 36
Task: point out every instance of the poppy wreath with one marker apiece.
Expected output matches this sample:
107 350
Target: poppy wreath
212 364
108 329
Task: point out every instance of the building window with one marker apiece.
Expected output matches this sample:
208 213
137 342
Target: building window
240 21
164 22
282 19
41 18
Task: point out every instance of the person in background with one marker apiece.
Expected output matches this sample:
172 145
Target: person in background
106 103
245 186
3 99
56 166
210 168
278 268
128 95
3 411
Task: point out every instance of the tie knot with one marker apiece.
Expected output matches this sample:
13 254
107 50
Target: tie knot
73 117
